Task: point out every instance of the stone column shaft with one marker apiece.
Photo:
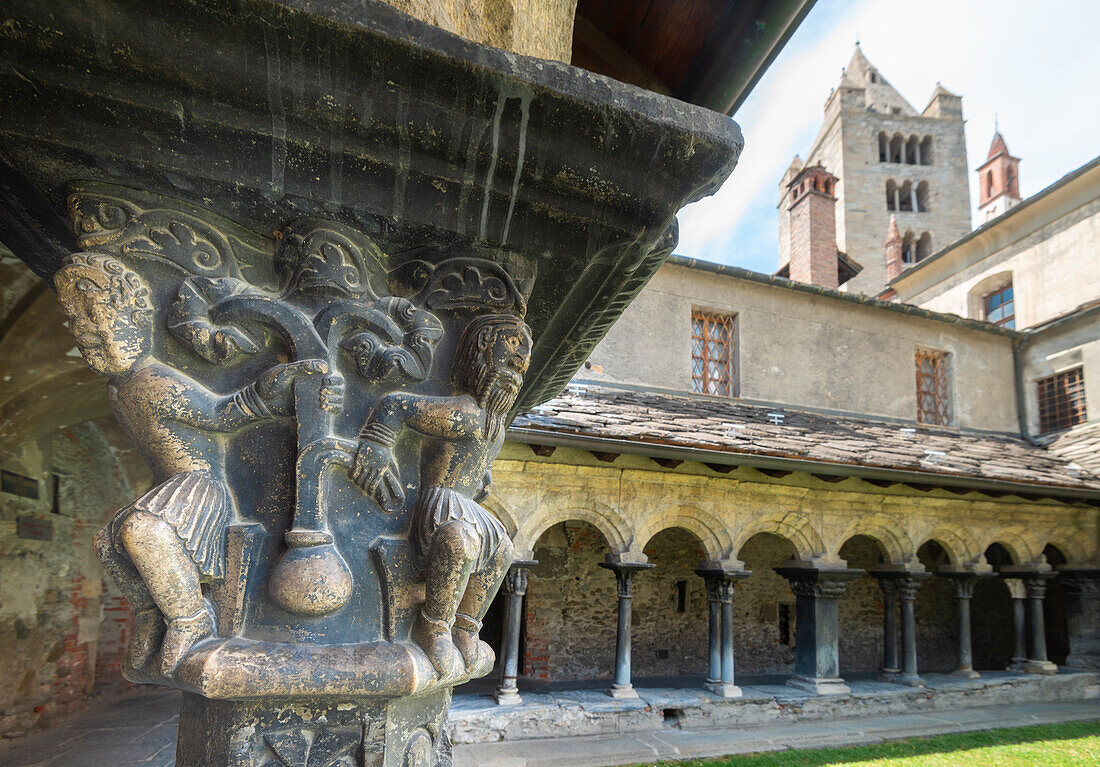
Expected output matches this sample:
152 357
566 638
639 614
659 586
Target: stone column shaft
817 665
721 585
889 629
1019 626
514 588
963 584
624 575
908 586
1037 662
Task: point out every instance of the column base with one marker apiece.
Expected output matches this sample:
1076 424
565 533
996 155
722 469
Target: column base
909 680
507 697
724 689
1017 664
820 685
888 674
624 691
308 731
1039 667
965 673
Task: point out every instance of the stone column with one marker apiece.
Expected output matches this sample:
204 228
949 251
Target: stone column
908 586
1019 624
721 585
816 590
889 628
1081 587
1036 588
963 584
514 587
621 687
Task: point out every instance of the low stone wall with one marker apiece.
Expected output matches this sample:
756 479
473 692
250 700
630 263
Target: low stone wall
476 719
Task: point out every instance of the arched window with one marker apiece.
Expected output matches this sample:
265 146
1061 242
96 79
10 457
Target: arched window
924 246
922 196
891 195
912 151
883 146
926 151
905 197
989 183
897 148
908 254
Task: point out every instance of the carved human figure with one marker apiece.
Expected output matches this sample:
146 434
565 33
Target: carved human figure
161 548
463 549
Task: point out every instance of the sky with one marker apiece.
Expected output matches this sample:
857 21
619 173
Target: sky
1032 65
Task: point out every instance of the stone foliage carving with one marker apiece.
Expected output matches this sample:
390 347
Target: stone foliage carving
302 402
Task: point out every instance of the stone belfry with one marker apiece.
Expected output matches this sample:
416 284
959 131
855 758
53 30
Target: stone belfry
891 161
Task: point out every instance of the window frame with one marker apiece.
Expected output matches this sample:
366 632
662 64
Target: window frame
1066 414
1007 321
937 384
702 382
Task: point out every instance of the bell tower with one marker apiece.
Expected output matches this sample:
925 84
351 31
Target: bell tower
998 180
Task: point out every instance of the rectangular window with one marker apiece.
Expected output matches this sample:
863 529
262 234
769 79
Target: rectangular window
712 354
1000 308
1062 400
933 403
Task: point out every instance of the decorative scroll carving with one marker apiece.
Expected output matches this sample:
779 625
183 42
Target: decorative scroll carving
223 349
819 586
908 588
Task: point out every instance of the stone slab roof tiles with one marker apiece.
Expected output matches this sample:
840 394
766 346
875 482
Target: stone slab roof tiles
689 421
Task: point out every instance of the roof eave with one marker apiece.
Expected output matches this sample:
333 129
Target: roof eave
526 435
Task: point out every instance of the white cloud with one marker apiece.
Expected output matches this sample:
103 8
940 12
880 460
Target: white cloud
1033 63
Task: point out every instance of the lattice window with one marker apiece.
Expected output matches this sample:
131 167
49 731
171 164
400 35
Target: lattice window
712 354
1000 307
933 402
1062 400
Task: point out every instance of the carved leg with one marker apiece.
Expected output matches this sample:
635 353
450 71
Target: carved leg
480 589
148 624
452 554
172 581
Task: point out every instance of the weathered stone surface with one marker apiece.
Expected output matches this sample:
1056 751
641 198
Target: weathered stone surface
531 27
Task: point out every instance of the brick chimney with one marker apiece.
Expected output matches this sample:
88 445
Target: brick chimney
894 263
811 203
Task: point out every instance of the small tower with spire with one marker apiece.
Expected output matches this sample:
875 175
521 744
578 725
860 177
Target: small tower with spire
998 179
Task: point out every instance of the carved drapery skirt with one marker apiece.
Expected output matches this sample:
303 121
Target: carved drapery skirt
197 507
436 506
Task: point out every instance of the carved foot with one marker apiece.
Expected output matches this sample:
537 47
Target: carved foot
434 638
148 632
181 636
478 656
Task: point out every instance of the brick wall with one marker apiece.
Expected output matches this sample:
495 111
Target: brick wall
59 643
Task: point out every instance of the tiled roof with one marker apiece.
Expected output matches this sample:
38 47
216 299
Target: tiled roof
731 426
1080 445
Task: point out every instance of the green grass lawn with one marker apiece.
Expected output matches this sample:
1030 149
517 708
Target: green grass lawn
1072 743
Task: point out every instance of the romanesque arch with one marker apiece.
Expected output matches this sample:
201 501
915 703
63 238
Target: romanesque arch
958 541
895 541
615 530
796 528
710 531
1072 544
1018 542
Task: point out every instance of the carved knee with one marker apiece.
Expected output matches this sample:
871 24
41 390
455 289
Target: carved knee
139 528
457 540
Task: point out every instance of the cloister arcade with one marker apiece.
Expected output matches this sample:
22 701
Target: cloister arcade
777 578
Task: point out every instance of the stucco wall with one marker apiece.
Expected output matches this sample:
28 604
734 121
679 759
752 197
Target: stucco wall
804 350
1062 348
1047 249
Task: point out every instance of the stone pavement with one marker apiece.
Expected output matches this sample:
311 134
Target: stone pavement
674 744
663 723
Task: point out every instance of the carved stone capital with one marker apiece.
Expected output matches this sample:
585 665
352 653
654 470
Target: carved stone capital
515 582
624 575
818 583
1016 589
